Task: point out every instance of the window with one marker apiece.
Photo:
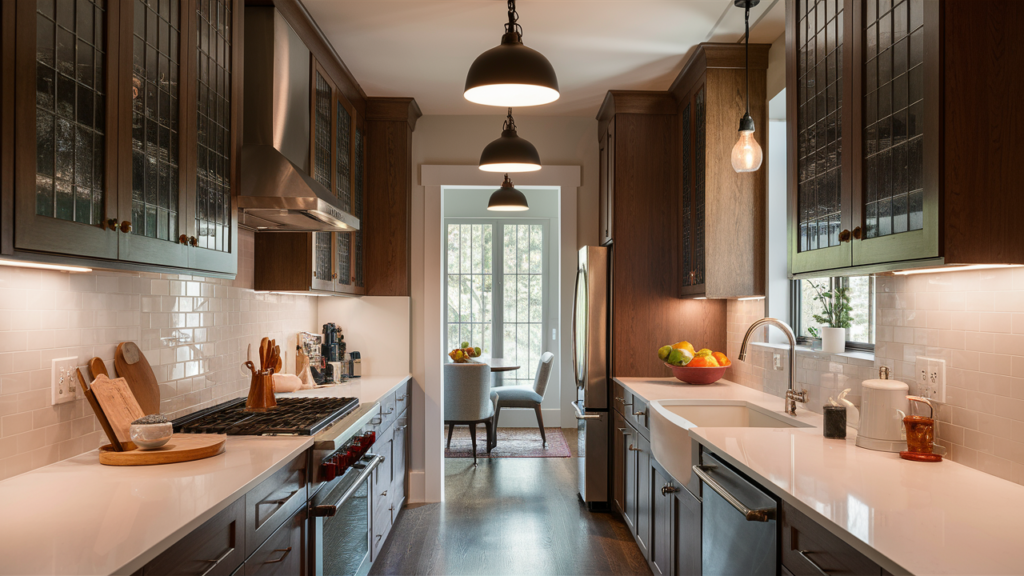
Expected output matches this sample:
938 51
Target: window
861 290
507 258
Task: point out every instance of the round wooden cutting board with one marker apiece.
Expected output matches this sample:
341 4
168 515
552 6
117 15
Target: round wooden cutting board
180 448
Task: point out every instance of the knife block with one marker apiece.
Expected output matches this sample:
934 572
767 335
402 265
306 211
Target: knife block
261 393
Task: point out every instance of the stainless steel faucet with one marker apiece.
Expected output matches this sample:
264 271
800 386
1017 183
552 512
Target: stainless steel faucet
792 396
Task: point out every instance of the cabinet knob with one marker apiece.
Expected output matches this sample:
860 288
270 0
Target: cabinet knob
844 236
640 413
334 276
668 489
112 224
183 239
126 226
193 241
634 449
857 233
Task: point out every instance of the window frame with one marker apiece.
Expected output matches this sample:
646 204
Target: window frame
796 298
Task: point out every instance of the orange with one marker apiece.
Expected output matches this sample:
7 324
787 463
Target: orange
702 362
684 345
722 359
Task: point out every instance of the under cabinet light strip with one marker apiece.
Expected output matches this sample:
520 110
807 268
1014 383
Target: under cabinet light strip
40 266
954 269
751 298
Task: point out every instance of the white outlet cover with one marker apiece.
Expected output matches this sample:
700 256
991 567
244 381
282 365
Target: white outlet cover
64 384
930 378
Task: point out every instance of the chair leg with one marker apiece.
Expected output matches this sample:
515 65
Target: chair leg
540 424
494 425
451 427
490 434
472 437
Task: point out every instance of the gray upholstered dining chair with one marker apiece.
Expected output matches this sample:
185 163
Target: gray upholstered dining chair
466 400
525 396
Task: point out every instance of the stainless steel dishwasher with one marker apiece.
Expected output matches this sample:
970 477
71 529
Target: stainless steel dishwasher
739 522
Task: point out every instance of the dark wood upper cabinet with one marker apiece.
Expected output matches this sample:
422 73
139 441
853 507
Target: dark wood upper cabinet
125 140
606 183
886 100
721 212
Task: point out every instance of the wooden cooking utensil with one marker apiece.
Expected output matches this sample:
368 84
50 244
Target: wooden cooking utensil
279 364
264 348
97 367
132 365
301 361
180 448
104 423
118 404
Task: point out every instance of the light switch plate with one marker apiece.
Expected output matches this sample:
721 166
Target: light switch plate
930 376
64 382
776 361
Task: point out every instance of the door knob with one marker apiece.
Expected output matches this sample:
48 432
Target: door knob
126 226
857 233
183 239
844 236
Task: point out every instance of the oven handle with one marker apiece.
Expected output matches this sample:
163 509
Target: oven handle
329 510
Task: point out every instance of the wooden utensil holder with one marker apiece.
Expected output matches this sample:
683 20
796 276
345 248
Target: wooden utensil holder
261 393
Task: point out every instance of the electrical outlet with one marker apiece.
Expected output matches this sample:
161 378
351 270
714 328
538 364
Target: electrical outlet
64 382
777 361
930 375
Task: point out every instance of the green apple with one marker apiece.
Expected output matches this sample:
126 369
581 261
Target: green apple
464 345
477 352
664 352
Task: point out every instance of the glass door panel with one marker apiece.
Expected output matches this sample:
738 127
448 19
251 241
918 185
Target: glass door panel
523 320
469 286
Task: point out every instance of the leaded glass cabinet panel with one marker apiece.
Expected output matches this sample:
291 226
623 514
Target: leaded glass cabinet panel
895 181
820 176
358 201
65 175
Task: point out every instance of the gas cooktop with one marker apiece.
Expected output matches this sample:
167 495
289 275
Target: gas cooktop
292 417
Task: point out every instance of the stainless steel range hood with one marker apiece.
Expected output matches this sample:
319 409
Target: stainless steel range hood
277 192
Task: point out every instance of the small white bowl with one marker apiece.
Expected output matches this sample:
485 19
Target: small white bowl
150 436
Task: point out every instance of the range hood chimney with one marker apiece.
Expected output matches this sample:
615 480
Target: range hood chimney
277 192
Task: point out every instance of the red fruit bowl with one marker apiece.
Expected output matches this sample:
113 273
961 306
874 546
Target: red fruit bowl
694 375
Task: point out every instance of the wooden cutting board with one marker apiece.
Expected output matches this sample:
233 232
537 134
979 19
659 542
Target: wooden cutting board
180 448
118 404
131 364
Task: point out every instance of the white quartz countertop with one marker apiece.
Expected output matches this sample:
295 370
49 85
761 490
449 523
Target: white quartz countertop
80 517
921 518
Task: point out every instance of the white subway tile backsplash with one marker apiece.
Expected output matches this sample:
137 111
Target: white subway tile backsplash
193 330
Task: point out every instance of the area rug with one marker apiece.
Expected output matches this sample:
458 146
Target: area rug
512 443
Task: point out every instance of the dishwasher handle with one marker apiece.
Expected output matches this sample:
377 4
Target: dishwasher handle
752 515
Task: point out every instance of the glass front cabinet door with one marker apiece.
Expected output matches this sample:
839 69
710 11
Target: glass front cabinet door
125 131
863 132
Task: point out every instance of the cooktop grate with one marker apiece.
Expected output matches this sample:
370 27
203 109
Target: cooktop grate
292 417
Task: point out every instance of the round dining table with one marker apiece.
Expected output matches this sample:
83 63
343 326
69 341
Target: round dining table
498 367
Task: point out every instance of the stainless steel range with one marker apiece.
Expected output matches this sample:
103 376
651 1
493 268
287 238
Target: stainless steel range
341 467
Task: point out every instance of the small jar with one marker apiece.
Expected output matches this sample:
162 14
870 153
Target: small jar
835 422
151 432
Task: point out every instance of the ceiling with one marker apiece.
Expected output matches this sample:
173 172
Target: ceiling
423 48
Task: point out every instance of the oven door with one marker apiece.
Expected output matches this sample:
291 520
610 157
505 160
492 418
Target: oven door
341 522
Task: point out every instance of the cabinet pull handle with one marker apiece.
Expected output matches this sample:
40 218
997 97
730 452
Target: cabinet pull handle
844 236
634 449
281 559
625 431
640 413
857 233
624 403
804 555
400 398
183 239
668 489
334 276
378 537
126 226
193 241
112 224
214 563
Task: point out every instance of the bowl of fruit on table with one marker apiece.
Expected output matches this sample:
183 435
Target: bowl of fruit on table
464 354
694 366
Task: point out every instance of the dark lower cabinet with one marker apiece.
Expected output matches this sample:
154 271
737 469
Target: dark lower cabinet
660 488
810 550
284 553
642 448
686 533
620 439
216 548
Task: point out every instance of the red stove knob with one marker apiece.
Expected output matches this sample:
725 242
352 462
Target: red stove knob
329 471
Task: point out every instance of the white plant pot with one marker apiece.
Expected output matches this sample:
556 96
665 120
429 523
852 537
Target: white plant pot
833 340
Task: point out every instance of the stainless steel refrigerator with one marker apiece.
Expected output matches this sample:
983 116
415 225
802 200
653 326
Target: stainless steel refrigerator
590 337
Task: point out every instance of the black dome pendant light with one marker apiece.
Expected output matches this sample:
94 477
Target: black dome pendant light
509 153
507 199
747 154
511 74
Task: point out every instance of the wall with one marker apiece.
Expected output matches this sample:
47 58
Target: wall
193 330
375 326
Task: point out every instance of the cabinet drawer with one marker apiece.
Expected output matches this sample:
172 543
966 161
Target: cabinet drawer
621 398
808 549
637 415
402 397
387 411
380 527
215 549
284 552
268 505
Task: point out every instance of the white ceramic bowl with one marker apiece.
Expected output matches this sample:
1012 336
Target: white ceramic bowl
150 436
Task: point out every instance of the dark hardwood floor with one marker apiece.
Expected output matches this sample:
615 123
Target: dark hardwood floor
509 516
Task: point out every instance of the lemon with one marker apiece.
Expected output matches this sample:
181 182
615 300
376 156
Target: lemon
704 352
683 345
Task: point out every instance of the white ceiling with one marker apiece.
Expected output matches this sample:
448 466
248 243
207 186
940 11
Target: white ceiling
423 48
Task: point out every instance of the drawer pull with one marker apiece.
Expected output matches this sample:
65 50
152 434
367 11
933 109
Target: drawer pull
389 412
625 431
634 449
623 401
640 413
281 559
378 537
384 494
804 555
214 563
400 398
668 489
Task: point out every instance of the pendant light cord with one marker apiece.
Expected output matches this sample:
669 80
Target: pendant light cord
746 56
513 20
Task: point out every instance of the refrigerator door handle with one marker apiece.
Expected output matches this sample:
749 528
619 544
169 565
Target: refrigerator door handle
577 372
581 416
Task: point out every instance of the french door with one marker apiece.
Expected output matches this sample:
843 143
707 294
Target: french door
497 287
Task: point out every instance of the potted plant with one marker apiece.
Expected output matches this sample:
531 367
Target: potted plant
834 319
